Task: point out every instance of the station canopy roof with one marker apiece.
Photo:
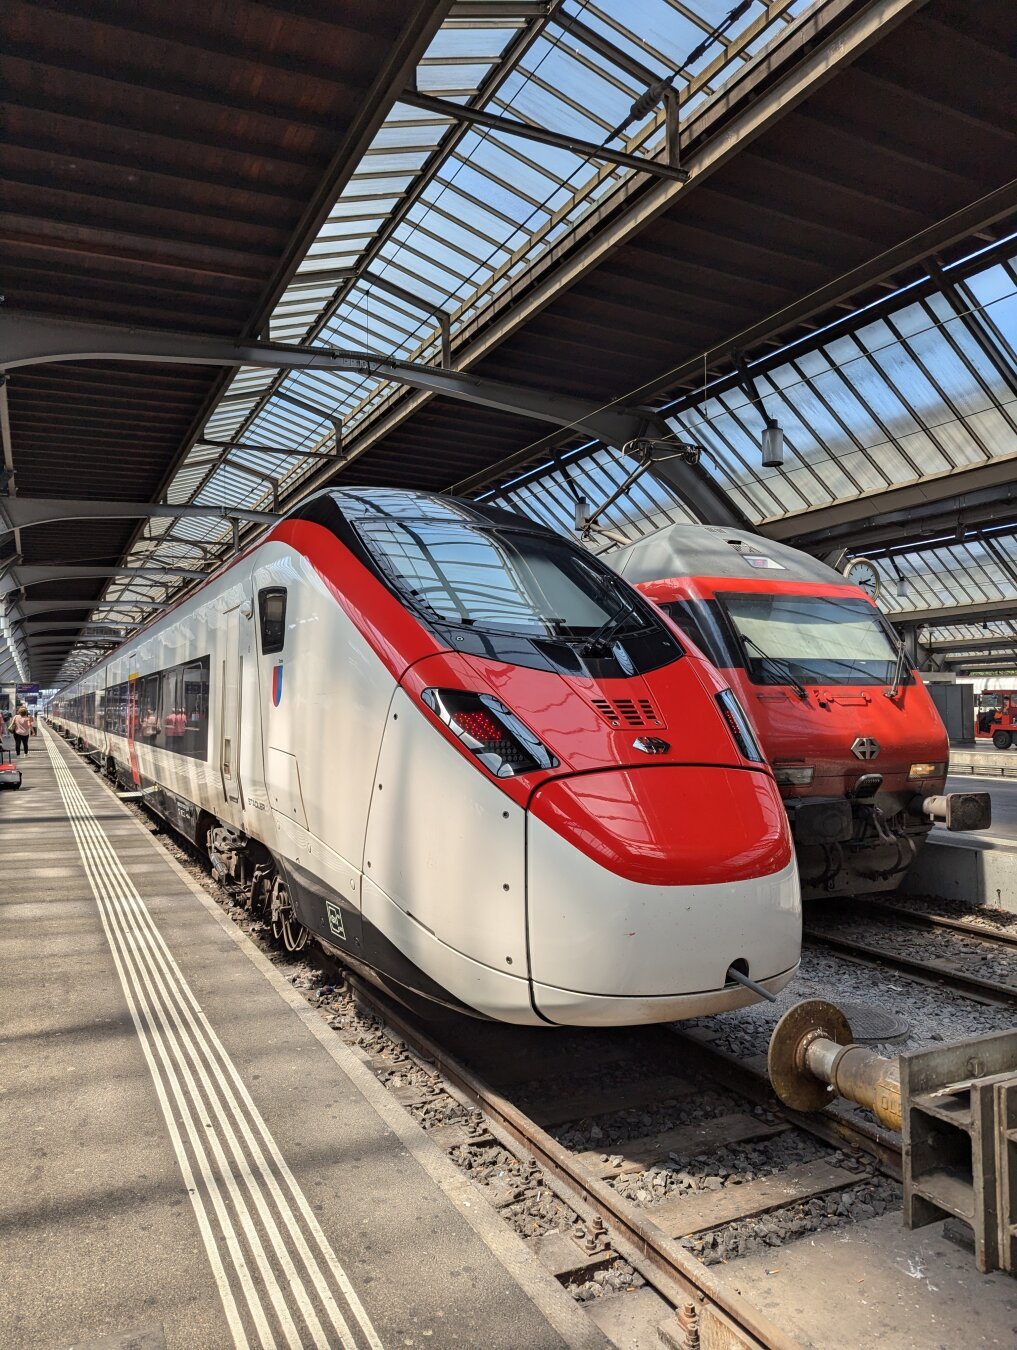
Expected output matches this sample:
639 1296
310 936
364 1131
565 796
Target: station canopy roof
919 396
842 240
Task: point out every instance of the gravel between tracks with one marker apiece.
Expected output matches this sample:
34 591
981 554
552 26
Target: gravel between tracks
979 916
747 1237
979 958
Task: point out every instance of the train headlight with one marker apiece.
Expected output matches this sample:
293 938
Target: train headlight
793 775
503 744
739 726
927 770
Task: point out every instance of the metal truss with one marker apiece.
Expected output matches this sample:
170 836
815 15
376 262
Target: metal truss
38 574
457 112
17 513
33 339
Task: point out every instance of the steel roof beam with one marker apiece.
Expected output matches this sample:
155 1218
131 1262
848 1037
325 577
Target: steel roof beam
28 607
418 303
459 112
38 574
941 615
17 513
987 644
897 508
34 339
276 450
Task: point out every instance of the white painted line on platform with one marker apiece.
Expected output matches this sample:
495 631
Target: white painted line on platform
174 1033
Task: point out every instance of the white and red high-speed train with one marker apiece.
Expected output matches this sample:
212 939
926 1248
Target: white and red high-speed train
467 757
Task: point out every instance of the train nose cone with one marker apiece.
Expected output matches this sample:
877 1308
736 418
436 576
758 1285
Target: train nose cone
672 824
645 884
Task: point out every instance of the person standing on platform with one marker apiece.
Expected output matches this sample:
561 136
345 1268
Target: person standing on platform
23 727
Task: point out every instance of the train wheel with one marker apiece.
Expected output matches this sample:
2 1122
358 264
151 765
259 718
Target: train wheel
1001 740
286 927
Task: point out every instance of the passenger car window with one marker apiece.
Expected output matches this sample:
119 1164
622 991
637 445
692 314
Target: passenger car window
272 618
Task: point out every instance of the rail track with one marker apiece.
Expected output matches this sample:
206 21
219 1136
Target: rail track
971 959
541 1108
1003 931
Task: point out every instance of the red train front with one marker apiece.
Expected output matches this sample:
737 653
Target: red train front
855 741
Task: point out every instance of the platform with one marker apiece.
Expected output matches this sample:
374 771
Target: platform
879 1284
980 759
191 1156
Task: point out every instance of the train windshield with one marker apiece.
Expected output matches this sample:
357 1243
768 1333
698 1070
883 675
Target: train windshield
501 580
812 639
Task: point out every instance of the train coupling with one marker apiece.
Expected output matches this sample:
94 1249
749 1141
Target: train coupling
958 810
813 1059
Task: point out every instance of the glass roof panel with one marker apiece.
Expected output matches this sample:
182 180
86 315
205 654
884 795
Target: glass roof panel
486 201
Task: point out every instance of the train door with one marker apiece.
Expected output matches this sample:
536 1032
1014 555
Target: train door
252 748
131 727
230 707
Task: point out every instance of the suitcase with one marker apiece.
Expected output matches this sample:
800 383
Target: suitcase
10 773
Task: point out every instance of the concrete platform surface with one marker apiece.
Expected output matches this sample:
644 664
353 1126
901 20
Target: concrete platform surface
982 757
191 1157
876 1284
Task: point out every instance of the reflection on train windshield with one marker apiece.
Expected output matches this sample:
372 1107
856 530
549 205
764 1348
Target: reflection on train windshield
811 639
495 580
991 702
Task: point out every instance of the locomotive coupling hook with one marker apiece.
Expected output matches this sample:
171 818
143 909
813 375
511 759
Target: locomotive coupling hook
812 1059
733 973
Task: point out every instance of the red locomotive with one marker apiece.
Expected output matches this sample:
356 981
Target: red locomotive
855 741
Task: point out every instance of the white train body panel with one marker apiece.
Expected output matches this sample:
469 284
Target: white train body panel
399 848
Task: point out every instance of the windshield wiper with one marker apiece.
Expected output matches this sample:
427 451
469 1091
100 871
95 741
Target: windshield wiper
898 671
781 662
606 633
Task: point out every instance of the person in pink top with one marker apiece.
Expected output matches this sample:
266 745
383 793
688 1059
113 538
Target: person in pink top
23 727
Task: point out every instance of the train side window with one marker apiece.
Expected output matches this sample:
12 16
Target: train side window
272 617
149 713
116 710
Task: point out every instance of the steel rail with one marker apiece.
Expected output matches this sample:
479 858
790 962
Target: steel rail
922 920
675 1272
929 972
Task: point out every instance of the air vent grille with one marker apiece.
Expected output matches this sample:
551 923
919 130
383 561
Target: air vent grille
628 712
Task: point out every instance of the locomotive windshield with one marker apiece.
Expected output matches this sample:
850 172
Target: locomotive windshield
811 639
501 580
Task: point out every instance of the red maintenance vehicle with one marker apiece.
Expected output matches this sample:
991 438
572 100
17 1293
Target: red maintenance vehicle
996 717
854 739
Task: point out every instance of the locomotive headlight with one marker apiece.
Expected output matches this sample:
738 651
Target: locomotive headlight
793 775
927 770
503 744
739 726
